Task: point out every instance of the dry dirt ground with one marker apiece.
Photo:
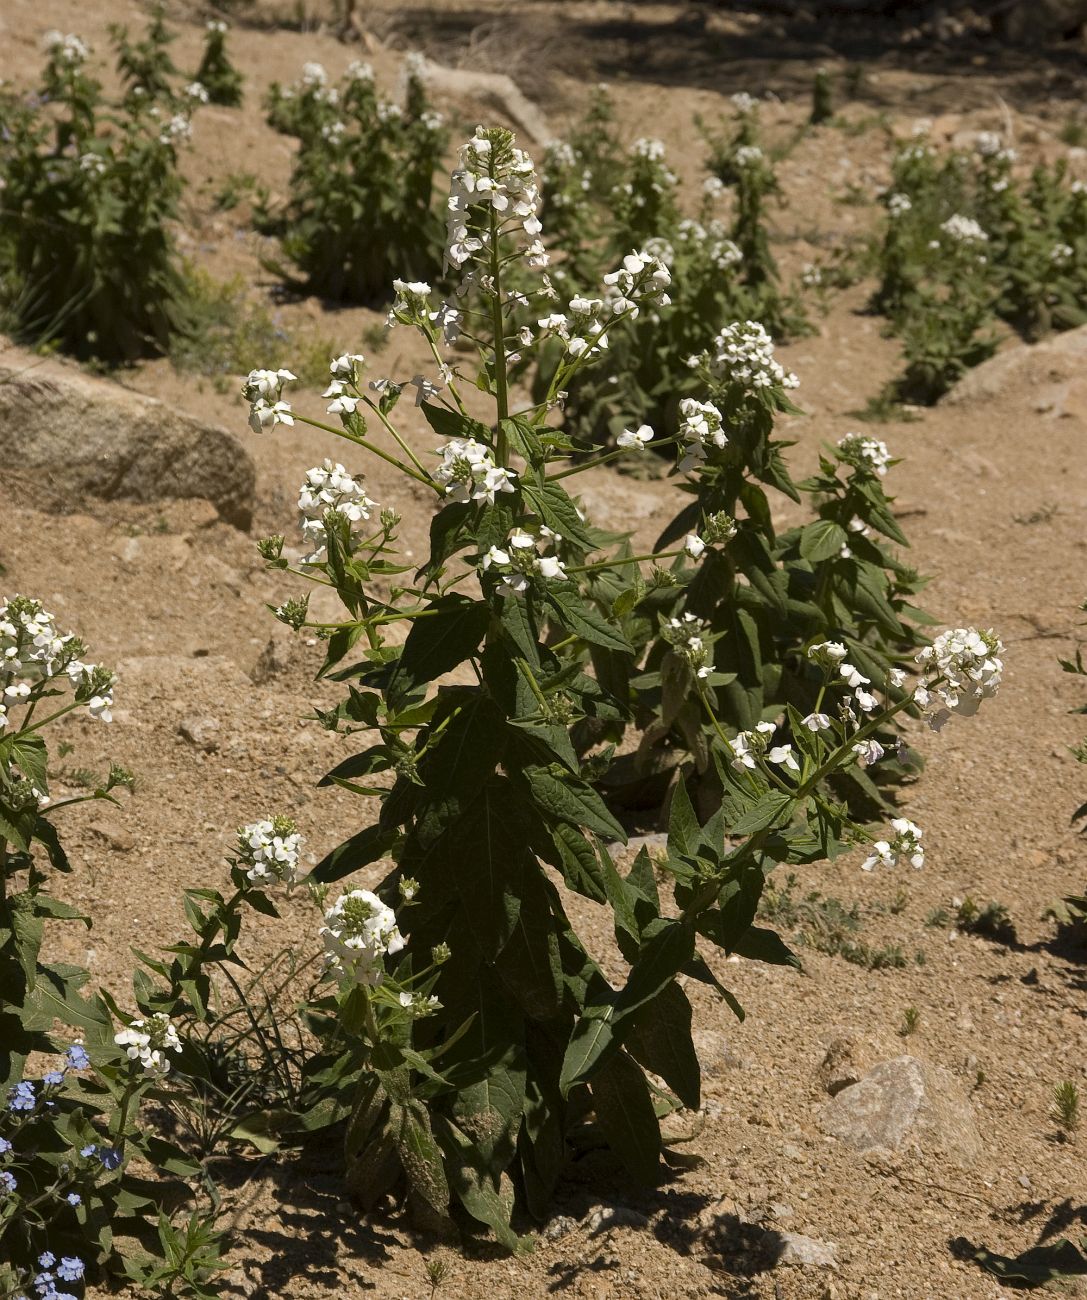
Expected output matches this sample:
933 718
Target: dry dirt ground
992 495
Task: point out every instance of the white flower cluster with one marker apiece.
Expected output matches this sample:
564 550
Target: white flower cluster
492 174
359 930
987 143
32 651
197 93
1061 254
963 230
263 391
93 164
742 102
869 454
712 242
359 71
899 204
687 636
642 279
748 155
469 473
67 48
713 188
968 665
176 130
743 353
328 486
700 423
904 847
148 1041
217 25
313 74
519 560
269 850
749 746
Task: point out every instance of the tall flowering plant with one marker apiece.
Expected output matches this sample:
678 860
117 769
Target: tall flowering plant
755 604
362 192
87 195
69 1128
488 1040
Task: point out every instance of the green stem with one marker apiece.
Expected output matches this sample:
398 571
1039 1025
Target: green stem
603 460
501 393
396 436
369 446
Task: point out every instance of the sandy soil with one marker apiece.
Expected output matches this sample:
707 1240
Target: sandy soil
177 601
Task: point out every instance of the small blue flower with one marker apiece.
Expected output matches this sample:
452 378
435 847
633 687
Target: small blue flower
7 1181
88 1151
70 1269
53 1079
22 1096
110 1158
77 1057
74 1198
47 1259
5 1146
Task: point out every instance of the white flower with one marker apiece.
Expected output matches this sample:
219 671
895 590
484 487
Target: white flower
742 102
694 546
636 439
987 144
359 931
642 278
967 667
905 847
853 677
828 654
495 175
470 474
866 701
148 1041
869 454
329 486
265 383
898 205
964 230
701 424
195 91
868 752
743 354
265 415
816 722
269 850
550 566
783 755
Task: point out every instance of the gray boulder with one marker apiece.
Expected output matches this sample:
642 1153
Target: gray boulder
904 1102
76 435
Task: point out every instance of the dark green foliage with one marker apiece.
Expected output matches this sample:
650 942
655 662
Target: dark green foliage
216 73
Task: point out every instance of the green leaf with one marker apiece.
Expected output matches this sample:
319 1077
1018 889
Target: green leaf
481 1194
624 1111
822 540
759 944
359 851
556 509
564 797
766 812
601 1030
576 615
453 424
449 634
661 1041
29 755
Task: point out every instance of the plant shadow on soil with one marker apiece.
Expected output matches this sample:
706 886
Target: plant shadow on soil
686 52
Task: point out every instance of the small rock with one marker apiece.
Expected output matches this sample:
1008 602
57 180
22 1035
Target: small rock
904 1100
559 1226
116 836
839 1068
798 1251
606 1217
201 732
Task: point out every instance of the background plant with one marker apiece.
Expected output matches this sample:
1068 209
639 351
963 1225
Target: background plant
85 210
75 1198
216 73
361 209
491 1042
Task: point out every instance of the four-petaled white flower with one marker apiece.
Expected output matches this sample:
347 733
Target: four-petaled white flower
635 439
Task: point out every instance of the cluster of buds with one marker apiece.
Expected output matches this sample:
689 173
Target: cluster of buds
687 636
